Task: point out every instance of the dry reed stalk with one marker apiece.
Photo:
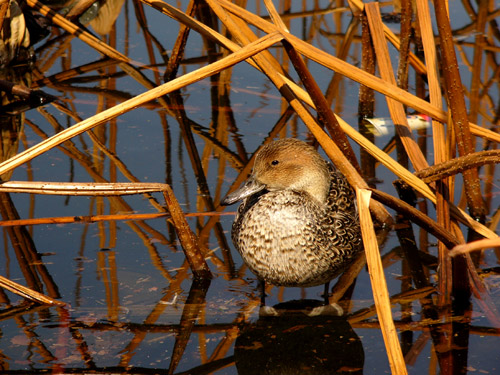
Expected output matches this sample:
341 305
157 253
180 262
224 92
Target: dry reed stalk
130 104
495 219
460 215
388 161
458 108
232 158
464 143
78 9
487 134
423 220
311 13
73 29
149 39
143 80
435 95
396 109
275 16
366 98
179 46
244 35
321 57
379 286
80 188
116 202
28 293
458 165
480 291
475 245
325 114
192 23
98 218
442 150
81 219
400 171
474 281
357 6
487 47
187 238
404 48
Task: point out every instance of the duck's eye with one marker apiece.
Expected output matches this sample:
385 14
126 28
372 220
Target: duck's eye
275 162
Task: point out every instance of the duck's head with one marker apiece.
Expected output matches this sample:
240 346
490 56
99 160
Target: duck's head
286 164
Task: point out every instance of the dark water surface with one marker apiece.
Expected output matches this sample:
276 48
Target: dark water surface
132 304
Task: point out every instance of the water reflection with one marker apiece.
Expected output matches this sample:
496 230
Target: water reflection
296 343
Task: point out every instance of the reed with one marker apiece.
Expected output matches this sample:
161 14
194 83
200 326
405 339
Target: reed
28 293
379 285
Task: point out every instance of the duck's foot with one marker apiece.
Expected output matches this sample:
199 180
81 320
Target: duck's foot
326 310
268 311
322 310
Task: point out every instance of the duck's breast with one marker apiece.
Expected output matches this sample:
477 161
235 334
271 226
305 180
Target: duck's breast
280 237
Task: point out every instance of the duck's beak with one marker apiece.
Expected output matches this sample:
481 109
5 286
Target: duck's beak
250 187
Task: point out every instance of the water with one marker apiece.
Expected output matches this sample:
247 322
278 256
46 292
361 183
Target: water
131 300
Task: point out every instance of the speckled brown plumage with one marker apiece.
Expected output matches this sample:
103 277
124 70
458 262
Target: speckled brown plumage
298 223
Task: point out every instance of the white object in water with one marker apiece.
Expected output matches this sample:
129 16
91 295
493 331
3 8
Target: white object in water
381 125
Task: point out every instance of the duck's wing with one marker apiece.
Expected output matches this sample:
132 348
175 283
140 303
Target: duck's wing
341 197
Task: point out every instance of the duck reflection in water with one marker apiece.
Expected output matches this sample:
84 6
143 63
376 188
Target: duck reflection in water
296 343
297 225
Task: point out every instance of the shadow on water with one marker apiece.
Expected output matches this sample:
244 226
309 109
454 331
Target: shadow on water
132 304
295 343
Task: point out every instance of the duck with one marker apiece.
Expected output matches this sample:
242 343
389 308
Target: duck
297 224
